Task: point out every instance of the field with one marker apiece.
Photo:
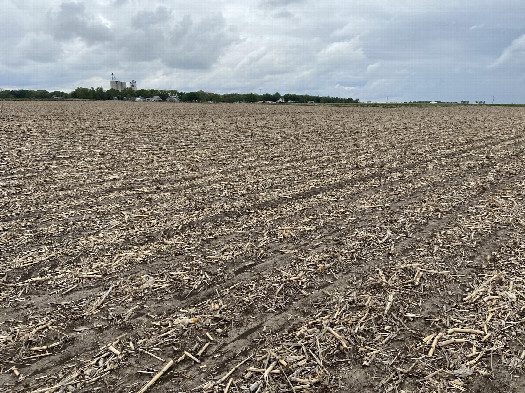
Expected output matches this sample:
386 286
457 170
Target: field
261 248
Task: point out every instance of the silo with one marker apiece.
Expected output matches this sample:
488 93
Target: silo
115 84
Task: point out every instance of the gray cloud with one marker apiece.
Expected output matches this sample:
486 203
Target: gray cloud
198 44
39 48
149 19
370 50
183 43
72 21
280 3
282 14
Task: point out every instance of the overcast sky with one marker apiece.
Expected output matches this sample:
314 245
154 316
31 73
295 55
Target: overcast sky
404 50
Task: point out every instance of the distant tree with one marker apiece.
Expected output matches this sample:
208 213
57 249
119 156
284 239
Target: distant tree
192 96
213 97
40 94
57 93
153 92
250 97
141 93
195 96
128 92
163 94
80 92
230 98
22 93
111 93
267 97
99 94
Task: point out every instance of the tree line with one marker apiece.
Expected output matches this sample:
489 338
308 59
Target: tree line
194 96
31 94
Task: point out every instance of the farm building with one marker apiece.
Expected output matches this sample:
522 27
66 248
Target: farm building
118 85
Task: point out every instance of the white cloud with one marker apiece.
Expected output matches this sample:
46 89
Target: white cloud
372 68
476 27
513 55
342 53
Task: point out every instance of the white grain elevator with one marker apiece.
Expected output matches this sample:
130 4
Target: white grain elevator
115 84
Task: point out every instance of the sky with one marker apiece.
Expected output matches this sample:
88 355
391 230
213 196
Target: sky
374 50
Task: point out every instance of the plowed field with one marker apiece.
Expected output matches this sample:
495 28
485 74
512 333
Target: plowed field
261 248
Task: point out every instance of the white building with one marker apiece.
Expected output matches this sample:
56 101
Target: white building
117 85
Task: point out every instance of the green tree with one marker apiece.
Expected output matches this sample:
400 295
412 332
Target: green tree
128 92
195 96
192 96
163 94
99 94
57 93
267 97
250 97
81 93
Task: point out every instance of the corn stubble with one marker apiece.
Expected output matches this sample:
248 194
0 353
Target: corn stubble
261 248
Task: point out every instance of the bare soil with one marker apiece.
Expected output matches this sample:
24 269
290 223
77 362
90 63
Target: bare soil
261 248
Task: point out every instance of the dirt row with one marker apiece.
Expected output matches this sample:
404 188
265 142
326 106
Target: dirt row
257 248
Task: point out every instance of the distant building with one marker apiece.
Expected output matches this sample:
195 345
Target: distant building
153 99
133 84
115 84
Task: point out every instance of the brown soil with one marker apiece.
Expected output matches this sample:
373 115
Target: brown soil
261 248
